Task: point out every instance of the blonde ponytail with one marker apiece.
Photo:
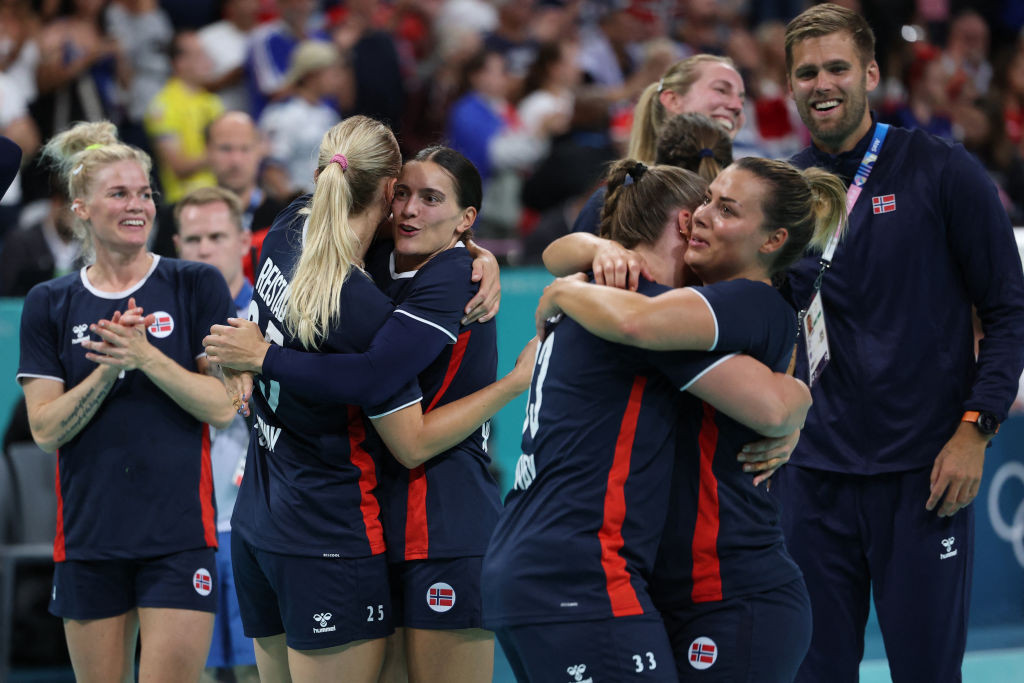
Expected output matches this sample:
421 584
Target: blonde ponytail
344 190
828 204
648 117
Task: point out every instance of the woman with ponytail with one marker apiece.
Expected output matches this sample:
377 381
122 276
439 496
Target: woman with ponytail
567 576
311 518
126 401
723 581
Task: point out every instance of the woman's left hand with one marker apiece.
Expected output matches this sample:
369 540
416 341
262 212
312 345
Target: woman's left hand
237 345
522 373
766 456
485 304
546 307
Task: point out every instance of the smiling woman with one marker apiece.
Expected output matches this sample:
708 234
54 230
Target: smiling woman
135 540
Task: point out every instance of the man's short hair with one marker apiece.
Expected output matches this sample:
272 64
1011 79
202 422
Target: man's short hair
209 195
826 19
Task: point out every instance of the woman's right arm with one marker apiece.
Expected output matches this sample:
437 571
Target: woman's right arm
399 352
56 416
676 319
771 403
612 264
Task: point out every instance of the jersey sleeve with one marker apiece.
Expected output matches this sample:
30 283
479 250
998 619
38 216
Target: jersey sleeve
39 352
212 305
439 292
750 317
683 368
406 396
398 353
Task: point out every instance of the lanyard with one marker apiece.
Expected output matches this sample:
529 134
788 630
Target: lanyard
852 194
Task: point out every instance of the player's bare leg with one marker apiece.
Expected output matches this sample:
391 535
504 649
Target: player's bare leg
394 669
464 655
357 662
272 659
175 643
103 649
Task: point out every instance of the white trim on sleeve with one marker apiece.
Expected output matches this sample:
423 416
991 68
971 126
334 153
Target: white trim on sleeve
427 322
713 317
706 371
28 375
395 410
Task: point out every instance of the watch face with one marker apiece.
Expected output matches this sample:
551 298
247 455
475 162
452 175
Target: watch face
987 423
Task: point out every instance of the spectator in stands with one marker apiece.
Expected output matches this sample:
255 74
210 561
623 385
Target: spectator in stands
967 51
271 48
483 126
236 149
374 62
77 69
41 251
16 124
512 36
226 43
295 126
549 88
928 103
177 118
144 33
19 46
209 222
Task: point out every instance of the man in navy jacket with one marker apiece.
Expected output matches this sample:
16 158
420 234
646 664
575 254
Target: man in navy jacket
878 491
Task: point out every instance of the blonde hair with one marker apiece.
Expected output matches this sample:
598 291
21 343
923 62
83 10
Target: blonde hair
78 154
810 204
641 198
650 114
331 246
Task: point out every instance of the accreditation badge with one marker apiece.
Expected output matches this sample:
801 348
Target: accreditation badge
813 326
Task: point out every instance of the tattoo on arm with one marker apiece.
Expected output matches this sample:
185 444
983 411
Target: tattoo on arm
83 412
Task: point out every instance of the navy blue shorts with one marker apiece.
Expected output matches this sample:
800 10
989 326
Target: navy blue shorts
98 589
437 594
230 646
317 602
852 534
619 649
758 638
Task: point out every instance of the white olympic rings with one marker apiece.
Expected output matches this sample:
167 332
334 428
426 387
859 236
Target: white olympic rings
1013 533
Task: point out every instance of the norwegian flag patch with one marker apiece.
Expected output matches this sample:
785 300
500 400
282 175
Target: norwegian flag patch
885 203
162 325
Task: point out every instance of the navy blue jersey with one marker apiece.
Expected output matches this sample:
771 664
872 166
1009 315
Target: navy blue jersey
722 538
927 239
310 484
578 535
448 506
136 480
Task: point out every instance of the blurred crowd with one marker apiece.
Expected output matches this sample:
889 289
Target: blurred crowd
539 94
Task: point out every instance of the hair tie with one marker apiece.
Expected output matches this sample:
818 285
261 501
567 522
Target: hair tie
706 153
340 160
661 84
95 145
636 172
